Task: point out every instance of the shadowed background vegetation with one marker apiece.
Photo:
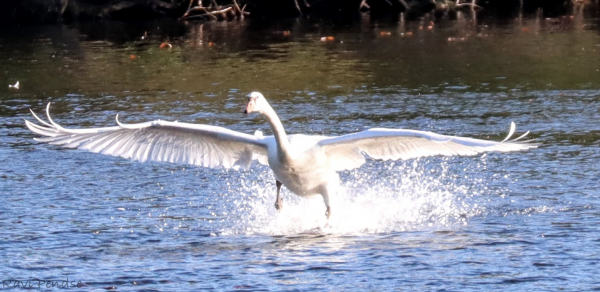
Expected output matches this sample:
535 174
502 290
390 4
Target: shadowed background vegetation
339 10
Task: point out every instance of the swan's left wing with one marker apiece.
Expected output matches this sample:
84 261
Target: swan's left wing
164 141
348 151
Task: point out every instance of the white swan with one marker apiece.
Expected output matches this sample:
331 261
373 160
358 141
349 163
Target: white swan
306 165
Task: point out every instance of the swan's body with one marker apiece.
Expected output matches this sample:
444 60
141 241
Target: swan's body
306 165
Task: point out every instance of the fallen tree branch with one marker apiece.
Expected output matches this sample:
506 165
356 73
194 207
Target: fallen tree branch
192 3
473 5
202 16
225 12
193 9
364 4
238 10
222 11
298 7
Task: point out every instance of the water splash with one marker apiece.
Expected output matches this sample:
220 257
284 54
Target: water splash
378 198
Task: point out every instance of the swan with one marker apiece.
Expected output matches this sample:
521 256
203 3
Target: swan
307 165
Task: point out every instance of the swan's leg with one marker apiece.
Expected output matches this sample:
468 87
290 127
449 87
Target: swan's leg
278 200
330 189
325 194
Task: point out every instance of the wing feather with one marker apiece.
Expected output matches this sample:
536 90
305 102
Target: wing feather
174 142
347 151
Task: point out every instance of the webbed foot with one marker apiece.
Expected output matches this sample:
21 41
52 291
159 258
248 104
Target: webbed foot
327 214
279 204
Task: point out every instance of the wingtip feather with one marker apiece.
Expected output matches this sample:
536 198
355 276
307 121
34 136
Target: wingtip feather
39 119
511 131
54 125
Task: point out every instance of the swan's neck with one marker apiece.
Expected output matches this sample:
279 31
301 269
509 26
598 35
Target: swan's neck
283 144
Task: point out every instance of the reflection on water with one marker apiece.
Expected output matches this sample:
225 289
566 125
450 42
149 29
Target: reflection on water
437 54
436 223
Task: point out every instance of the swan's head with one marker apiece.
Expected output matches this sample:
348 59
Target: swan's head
256 102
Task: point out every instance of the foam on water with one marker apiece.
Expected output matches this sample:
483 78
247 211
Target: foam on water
378 198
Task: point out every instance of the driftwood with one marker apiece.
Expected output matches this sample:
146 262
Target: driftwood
473 5
214 11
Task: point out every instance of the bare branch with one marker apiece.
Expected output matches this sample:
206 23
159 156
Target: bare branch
237 8
194 9
222 11
202 16
364 4
298 7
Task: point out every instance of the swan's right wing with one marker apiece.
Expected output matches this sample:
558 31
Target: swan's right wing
348 151
163 141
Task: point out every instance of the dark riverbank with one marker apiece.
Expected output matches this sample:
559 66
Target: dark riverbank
48 11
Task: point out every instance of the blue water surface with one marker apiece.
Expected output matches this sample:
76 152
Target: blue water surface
524 221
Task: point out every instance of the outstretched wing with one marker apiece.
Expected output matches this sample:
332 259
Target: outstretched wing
174 142
348 151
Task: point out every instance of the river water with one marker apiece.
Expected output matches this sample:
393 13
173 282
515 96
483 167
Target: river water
519 221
